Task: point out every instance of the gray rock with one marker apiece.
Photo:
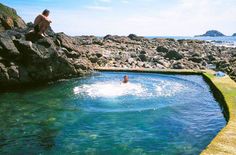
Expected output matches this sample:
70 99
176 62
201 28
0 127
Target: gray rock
172 54
196 59
99 55
8 48
3 73
164 63
133 55
143 57
130 60
13 72
135 37
159 66
162 49
140 64
178 65
39 60
93 59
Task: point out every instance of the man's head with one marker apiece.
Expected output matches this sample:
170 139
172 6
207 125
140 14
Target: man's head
46 12
126 79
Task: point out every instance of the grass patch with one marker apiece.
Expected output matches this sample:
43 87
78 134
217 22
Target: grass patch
8 11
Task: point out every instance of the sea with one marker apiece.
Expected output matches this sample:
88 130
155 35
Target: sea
228 41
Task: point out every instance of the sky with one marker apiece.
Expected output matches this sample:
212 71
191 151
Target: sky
141 17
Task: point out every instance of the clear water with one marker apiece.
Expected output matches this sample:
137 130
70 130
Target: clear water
153 114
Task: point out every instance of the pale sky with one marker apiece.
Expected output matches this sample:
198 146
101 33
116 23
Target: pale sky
141 17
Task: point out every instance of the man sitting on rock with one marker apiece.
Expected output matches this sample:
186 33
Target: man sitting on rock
41 23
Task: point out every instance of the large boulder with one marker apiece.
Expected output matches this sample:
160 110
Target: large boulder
67 41
162 49
7 47
173 54
135 37
32 60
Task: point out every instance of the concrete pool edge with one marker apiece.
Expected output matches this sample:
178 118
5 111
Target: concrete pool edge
225 142
224 89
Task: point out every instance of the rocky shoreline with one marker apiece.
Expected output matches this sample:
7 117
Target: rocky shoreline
25 58
140 52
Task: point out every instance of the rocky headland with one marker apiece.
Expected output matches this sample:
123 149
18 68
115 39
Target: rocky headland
234 35
27 59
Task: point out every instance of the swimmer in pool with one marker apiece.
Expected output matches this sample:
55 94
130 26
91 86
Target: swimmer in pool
126 79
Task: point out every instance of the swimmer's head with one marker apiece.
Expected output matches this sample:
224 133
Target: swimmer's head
126 79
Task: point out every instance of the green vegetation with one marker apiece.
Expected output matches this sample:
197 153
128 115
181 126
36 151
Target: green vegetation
8 11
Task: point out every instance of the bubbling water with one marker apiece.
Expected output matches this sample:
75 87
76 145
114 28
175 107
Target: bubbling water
111 89
166 89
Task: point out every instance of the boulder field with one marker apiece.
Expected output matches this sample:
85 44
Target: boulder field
139 52
27 59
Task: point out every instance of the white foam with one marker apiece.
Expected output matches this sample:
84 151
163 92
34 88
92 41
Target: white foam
111 89
167 88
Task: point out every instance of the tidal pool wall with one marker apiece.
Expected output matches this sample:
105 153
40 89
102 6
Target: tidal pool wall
224 90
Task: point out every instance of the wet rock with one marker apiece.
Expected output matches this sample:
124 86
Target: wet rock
13 72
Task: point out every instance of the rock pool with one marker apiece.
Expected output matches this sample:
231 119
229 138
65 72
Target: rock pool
153 114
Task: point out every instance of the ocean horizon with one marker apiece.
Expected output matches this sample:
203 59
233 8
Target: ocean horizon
227 41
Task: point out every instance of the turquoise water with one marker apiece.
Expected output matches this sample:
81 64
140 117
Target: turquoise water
153 114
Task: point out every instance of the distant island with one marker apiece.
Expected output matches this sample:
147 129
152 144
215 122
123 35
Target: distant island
212 33
234 35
